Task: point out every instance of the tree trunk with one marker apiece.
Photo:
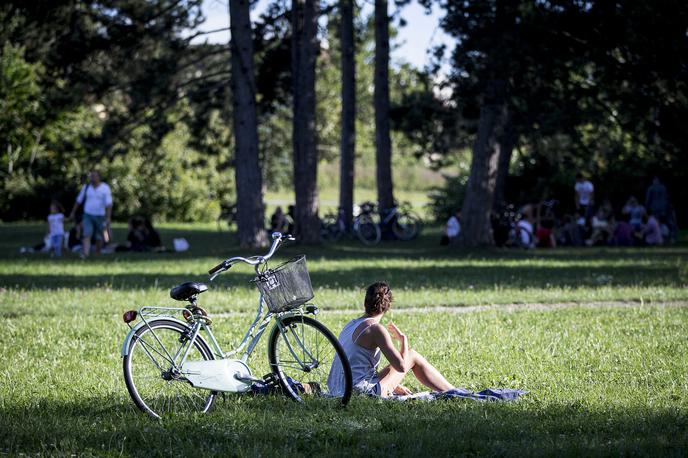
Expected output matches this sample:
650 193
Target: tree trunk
249 186
348 139
507 142
383 145
304 53
477 205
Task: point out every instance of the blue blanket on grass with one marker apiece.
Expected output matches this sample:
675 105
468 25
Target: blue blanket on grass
490 394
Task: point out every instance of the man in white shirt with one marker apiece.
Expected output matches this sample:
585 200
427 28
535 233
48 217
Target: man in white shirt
585 196
96 198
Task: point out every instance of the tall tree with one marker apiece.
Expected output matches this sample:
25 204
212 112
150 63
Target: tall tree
348 139
249 185
492 27
507 141
305 46
477 204
383 145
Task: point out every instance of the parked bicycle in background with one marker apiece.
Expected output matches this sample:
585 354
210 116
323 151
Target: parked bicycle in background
369 225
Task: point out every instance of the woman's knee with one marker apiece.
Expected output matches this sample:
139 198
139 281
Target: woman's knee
416 357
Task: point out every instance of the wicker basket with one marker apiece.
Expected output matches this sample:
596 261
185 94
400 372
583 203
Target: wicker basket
287 286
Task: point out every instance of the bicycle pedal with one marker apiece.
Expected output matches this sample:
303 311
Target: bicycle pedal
271 379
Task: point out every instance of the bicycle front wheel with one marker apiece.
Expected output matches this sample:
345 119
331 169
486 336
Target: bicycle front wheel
406 226
301 355
149 372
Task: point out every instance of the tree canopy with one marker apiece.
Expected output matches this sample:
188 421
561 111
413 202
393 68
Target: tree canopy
122 85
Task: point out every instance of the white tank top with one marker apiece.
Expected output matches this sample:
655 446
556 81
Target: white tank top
363 361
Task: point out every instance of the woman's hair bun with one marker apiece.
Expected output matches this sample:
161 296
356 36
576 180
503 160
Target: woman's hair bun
378 298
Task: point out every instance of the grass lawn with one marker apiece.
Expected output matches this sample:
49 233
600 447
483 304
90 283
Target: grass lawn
607 374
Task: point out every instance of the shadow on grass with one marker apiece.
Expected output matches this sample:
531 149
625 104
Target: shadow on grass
208 243
475 277
275 426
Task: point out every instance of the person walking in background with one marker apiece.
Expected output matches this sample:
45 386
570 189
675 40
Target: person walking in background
657 199
657 202
96 199
56 228
585 196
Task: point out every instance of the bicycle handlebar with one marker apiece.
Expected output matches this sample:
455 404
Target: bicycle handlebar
277 239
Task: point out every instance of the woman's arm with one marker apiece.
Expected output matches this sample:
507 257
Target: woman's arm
398 360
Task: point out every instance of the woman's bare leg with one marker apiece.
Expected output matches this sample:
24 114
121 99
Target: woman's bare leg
425 372
389 380
428 375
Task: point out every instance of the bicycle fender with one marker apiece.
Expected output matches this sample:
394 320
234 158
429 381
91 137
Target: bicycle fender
127 341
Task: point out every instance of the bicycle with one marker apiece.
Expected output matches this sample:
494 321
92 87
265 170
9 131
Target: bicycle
364 227
406 225
403 223
332 227
166 361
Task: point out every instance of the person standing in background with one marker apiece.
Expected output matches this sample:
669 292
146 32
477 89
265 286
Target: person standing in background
96 199
657 199
585 196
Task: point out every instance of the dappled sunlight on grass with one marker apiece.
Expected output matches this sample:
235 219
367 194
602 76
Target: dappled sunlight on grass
601 380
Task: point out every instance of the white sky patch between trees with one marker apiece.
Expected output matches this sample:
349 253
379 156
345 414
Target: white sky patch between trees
421 32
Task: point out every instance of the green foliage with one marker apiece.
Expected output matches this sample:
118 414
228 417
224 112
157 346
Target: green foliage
20 95
445 200
174 182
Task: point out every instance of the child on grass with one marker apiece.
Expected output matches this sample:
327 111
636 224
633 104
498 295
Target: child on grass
56 228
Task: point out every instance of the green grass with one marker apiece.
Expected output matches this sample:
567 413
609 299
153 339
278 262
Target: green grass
606 380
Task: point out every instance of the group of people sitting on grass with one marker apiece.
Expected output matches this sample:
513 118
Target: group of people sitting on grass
539 225
632 226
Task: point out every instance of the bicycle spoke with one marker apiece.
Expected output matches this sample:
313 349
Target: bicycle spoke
155 378
316 356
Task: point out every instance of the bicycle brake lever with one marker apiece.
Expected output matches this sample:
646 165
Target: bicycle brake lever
216 273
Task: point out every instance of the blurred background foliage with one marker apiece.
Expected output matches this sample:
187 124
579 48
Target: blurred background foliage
119 85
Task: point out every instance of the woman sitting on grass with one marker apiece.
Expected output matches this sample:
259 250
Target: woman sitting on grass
364 338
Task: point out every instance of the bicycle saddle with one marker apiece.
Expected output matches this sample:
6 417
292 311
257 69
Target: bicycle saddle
187 290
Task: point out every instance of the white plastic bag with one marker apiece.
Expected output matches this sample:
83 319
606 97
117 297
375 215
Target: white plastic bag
180 244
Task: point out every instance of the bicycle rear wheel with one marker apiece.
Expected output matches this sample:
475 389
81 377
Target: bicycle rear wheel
154 386
367 231
301 357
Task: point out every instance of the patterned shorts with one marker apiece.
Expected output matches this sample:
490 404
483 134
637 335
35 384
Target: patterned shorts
368 387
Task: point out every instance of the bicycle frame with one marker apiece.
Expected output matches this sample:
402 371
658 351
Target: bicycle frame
248 343
197 320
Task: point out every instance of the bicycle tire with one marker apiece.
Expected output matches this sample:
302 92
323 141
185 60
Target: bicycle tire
314 379
406 226
178 331
330 233
367 231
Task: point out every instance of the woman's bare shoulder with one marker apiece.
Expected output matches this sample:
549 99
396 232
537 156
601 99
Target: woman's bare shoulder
368 334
